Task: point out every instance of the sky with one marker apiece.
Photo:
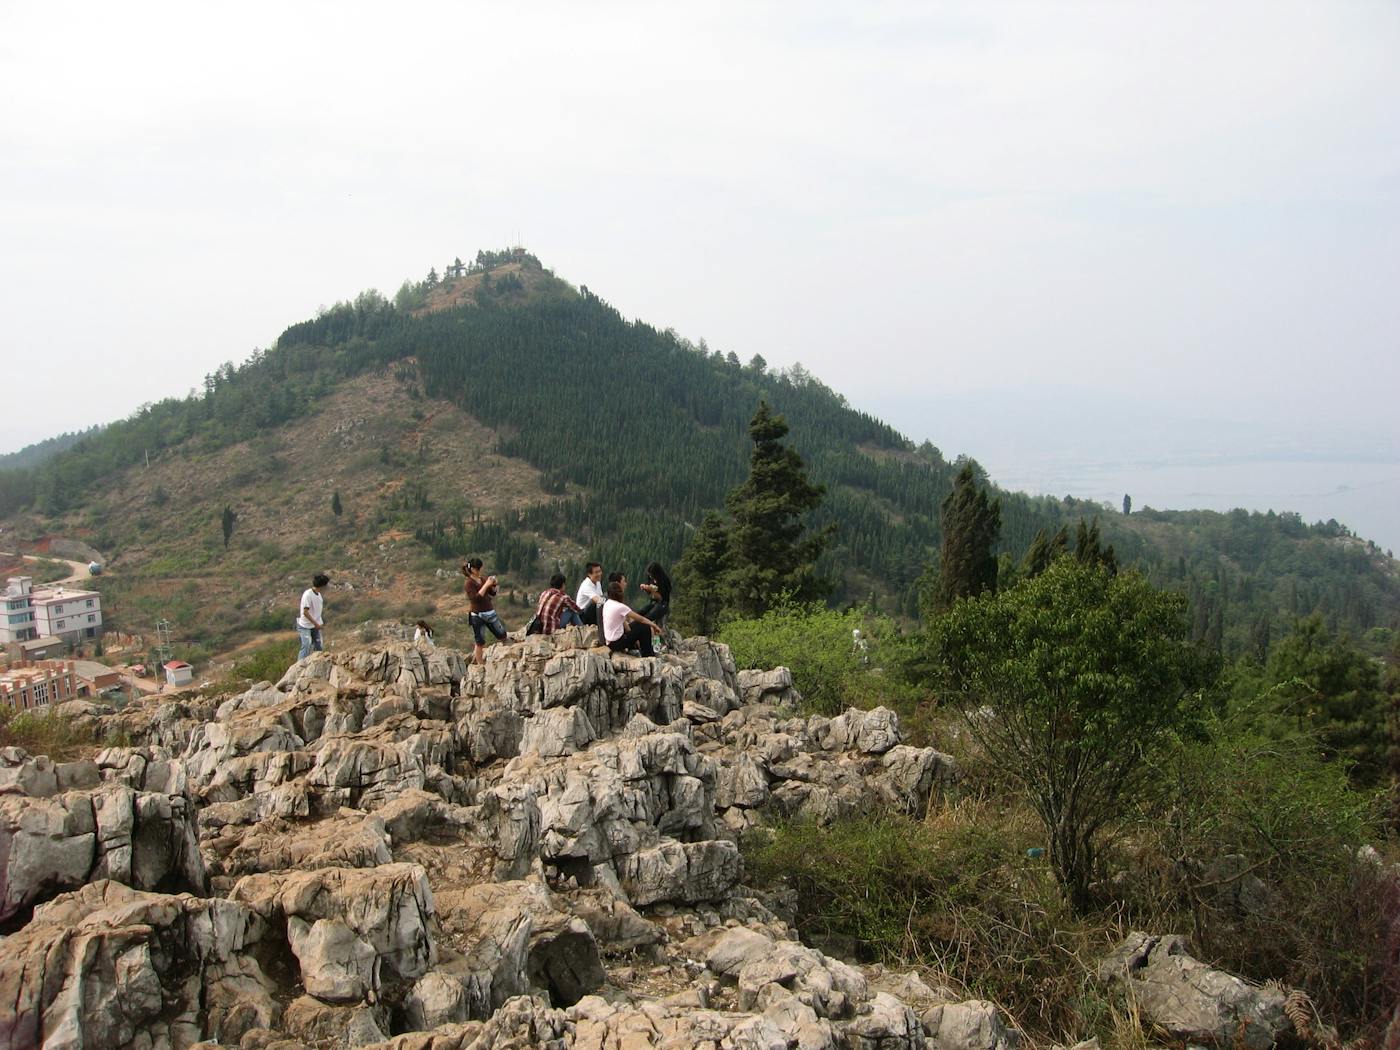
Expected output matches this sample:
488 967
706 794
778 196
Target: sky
1052 236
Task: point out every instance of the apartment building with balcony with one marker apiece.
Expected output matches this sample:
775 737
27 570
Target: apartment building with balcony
29 612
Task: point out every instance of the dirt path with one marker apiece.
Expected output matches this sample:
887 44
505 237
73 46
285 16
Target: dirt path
79 569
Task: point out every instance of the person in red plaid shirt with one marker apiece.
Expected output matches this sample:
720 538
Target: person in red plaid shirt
556 609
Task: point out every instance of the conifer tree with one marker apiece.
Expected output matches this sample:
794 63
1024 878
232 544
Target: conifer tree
967 567
700 584
769 557
226 520
1044 549
336 507
1089 550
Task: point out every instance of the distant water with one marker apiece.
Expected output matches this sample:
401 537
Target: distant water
1365 497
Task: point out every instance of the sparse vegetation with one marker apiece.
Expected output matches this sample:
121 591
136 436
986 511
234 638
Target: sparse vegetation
42 732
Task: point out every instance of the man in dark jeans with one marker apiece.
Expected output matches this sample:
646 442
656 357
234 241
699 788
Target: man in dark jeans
590 595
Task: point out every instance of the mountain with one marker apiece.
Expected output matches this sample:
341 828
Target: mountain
40 451
499 410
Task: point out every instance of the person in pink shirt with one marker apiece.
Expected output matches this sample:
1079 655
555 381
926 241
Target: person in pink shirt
624 629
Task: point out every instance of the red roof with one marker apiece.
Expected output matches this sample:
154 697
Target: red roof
175 665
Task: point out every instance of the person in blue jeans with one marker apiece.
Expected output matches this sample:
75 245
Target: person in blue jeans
481 600
310 619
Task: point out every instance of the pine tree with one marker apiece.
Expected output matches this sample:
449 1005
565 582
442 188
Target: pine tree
1044 549
966 565
1127 504
336 507
769 557
1089 550
226 520
700 585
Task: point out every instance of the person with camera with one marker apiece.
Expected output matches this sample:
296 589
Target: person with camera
481 601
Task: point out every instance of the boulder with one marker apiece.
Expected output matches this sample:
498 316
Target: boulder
513 937
140 968
972 1025
681 871
1193 1001
57 843
350 929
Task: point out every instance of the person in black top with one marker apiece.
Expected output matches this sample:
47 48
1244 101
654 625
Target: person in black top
658 588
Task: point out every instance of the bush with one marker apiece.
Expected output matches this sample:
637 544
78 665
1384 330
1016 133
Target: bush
956 895
829 670
266 620
267 663
44 733
1254 846
1069 679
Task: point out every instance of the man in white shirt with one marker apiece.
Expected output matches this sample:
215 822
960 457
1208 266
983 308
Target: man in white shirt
310 620
590 595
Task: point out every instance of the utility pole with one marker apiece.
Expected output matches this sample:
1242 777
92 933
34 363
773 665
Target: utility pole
163 651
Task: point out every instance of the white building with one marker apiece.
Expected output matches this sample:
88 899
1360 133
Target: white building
178 673
31 612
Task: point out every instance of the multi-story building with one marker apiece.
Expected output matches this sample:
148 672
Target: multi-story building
38 684
32 612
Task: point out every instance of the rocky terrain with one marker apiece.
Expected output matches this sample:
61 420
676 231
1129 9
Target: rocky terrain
392 848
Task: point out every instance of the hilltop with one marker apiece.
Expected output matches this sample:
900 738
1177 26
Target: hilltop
448 422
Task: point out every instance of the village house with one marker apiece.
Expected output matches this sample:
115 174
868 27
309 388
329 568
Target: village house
33 612
38 684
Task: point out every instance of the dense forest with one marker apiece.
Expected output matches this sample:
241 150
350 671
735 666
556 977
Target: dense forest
638 432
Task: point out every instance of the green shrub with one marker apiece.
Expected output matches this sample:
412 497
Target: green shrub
956 895
44 733
267 663
265 620
1253 846
828 668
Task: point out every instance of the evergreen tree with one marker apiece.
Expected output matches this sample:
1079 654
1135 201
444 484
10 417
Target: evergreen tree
699 583
336 507
1089 549
226 520
769 557
1127 504
966 565
1044 549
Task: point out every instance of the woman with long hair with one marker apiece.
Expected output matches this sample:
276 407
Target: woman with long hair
624 629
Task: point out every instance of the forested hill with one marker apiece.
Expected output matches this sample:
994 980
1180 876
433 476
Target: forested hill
636 432
33 455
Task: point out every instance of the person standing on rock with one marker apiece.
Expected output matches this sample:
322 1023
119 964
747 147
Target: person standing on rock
481 600
590 595
624 629
310 620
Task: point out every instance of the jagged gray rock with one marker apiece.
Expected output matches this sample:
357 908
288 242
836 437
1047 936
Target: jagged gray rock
1191 1000
141 969
52 842
972 1025
415 841
350 929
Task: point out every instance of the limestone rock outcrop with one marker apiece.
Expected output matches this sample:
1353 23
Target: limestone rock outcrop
392 847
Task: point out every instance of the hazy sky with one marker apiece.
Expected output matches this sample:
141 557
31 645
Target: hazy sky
1114 224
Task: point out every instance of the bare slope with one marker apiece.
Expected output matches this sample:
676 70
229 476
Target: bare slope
384 450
